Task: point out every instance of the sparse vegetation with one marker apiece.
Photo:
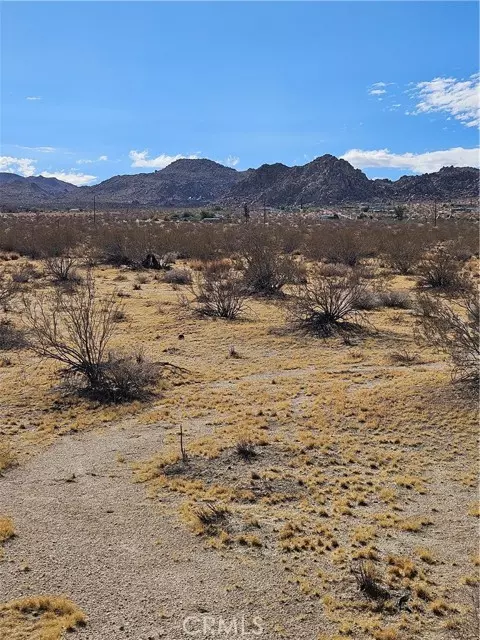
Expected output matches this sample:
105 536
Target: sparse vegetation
304 457
440 270
455 332
220 293
326 305
62 269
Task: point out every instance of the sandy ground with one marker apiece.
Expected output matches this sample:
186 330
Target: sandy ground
100 541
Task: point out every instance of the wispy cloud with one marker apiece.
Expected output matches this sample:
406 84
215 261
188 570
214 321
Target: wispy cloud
457 98
23 166
142 159
378 88
37 149
231 161
33 98
99 159
73 177
416 162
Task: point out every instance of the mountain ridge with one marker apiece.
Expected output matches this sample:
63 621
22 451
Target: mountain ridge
326 180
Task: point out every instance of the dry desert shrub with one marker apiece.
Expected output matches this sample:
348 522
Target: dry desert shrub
403 250
325 305
8 289
75 329
178 277
340 243
369 583
440 270
127 377
266 270
246 450
439 325
395 299
220 293
11 337
62 269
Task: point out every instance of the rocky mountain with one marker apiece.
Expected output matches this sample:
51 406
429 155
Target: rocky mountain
183 183
326 180
33 187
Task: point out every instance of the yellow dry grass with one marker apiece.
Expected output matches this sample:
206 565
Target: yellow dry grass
39 618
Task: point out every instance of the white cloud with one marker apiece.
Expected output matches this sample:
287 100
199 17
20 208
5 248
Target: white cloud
141 159
378 88
78 179
458 98
231 161
33 98
416 162
23 166
99 159
37 149
26 168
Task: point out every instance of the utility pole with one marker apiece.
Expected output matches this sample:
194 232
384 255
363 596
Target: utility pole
434 213
94 212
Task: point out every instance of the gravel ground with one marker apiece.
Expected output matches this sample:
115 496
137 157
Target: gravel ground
135 571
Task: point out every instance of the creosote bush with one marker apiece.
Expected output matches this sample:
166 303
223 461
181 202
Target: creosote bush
220 293
62 269
266 270
325 305
457 333
74 329
440 270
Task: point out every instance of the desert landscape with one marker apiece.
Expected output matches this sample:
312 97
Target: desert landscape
279 440
239 320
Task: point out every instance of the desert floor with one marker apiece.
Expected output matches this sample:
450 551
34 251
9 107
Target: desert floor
359 454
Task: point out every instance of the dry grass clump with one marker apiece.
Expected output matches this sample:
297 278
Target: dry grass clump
7 457
7 531
28 272
440 326
369 583
246 450
126 377
207 518
403 357
39 618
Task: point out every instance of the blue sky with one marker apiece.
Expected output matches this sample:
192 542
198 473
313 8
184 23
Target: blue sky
95 89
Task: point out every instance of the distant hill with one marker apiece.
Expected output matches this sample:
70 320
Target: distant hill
326 180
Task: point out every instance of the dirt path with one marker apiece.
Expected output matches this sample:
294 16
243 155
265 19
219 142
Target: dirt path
136 572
